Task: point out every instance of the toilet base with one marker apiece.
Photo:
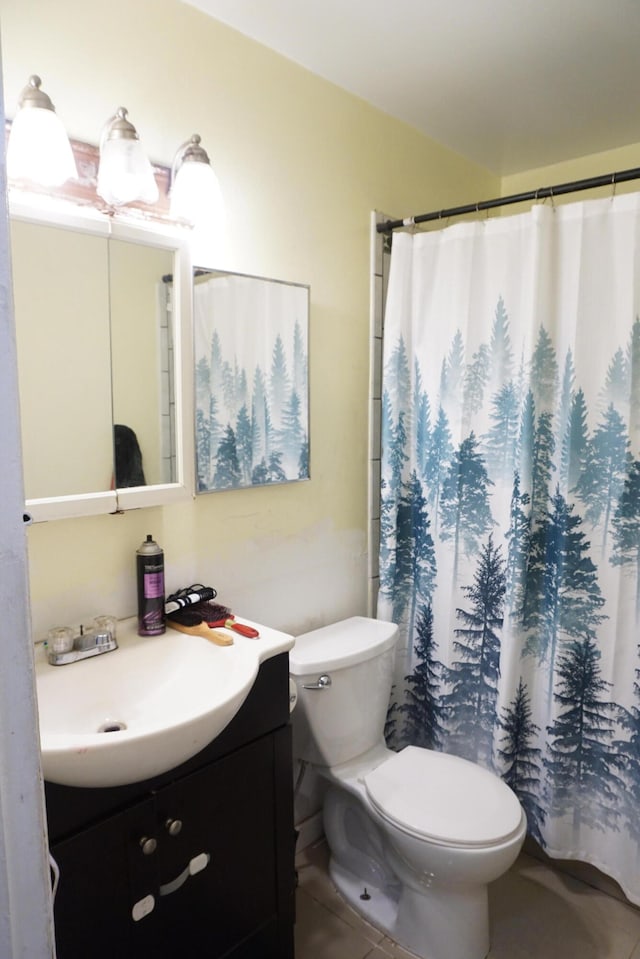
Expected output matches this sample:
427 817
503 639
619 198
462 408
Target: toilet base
445 922
380 910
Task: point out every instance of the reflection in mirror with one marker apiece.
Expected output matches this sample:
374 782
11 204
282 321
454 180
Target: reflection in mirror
252 390
141 347
103 331
127 457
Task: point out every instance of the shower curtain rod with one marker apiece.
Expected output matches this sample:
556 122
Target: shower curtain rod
607 179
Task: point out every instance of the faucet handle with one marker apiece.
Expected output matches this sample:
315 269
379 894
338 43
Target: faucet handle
106 624
60 639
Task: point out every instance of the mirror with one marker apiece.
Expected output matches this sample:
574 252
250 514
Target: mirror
103 326
141 287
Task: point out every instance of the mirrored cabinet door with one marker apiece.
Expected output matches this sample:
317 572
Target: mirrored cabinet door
103 327
61 300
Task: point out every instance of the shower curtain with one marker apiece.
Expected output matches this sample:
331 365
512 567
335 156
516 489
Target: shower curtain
510 512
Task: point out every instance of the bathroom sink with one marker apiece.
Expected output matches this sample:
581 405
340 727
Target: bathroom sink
141 709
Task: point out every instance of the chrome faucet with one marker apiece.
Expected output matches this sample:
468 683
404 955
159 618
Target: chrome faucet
81 646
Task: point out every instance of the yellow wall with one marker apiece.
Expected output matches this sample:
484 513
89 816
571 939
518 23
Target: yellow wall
580 168
301 165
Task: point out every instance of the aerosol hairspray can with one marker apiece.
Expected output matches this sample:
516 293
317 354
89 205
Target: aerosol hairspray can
150 575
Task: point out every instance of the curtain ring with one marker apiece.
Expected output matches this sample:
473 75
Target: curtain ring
479 212
613 186
552 198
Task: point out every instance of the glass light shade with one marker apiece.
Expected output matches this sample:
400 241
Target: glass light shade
39 148
125 173
196 196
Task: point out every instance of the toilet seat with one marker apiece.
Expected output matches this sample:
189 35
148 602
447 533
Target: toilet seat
443 799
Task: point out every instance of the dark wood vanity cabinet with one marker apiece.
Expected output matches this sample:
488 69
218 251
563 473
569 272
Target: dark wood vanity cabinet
198 862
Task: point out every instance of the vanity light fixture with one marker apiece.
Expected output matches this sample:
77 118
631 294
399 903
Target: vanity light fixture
125 173
39 148
195 192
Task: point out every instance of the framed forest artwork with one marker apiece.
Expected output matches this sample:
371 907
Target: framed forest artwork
251 381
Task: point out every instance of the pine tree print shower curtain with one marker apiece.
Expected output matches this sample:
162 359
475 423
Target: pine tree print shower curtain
510 512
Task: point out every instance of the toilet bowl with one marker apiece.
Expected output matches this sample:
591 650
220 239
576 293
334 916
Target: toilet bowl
415 836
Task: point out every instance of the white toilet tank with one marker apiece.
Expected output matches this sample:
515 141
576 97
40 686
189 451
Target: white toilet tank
337 722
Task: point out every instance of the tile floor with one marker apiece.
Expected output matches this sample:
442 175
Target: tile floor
536 913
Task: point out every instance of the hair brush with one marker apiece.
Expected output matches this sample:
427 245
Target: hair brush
189 620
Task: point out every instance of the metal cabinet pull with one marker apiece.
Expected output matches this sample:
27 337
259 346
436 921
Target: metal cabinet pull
196 865
323 682
173 826
148 845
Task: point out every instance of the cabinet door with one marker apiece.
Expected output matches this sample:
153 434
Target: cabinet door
106 904
227 835
202 868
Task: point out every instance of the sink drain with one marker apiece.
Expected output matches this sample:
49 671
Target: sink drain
112 726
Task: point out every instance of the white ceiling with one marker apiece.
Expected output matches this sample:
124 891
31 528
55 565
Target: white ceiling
510 84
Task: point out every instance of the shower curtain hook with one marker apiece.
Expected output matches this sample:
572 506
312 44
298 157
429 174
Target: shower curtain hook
613 186
552 198
478 212
409 223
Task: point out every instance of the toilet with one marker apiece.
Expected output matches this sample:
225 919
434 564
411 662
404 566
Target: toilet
414 836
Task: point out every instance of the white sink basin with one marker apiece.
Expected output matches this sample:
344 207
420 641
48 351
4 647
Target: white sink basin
140 710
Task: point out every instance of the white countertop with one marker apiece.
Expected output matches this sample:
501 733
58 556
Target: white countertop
270 643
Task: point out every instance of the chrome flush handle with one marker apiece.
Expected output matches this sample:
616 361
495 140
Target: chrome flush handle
323 682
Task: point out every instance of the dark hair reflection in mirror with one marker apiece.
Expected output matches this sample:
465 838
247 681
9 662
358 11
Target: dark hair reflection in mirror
128 458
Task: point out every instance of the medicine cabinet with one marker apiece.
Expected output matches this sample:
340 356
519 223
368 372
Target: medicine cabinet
103 327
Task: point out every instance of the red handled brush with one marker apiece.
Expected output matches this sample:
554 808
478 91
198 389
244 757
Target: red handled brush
193 619
186 621
230 623
216 615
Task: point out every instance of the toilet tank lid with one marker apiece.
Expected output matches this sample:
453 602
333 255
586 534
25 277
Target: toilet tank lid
342 644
